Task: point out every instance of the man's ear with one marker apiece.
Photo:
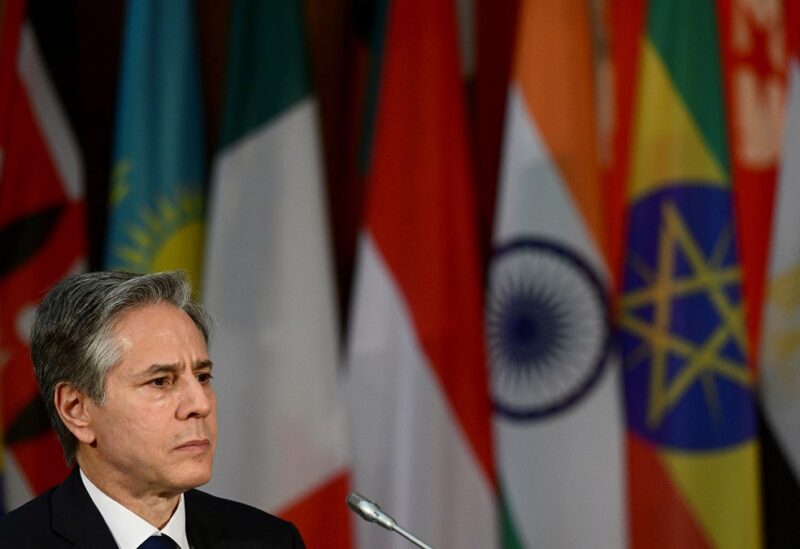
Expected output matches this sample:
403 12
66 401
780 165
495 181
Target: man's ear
74 408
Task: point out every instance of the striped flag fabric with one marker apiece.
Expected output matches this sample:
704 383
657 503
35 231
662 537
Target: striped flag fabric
754 39
269 284
693 451
158 172
753 36
780 350
625 20
555 381
782 338
418 405
42 235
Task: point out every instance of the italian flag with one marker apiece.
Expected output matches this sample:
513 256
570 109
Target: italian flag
419 411
268 283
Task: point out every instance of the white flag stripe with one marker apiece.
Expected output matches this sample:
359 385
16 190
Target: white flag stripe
569 481
68 163
269 286
410 454
780 373
16 489
50 116
533 198
786 222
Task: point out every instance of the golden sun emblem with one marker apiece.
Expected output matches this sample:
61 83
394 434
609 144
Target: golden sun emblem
782 328
167 235
157 234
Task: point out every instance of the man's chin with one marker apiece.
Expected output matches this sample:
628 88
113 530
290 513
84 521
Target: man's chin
193 476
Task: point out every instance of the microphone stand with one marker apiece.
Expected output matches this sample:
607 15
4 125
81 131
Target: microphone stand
411 537
371 512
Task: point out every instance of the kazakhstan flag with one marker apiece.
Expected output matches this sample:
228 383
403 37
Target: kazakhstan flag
156 209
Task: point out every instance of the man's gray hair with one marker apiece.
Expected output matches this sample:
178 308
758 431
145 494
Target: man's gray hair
72 338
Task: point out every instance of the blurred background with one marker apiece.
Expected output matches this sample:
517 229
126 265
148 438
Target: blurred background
527 273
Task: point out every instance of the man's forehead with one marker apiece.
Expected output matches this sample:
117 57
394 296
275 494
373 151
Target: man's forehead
149 309
155 317
158 334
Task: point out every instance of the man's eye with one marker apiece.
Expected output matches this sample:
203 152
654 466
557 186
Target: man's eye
159 381
204 377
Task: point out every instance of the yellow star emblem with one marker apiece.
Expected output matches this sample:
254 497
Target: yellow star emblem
702 361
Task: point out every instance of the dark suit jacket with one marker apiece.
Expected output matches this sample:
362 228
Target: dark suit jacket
65 516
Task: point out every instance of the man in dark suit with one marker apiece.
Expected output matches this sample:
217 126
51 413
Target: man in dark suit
123 367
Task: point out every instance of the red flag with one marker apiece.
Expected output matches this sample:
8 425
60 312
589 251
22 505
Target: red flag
42 235
419 406
753 39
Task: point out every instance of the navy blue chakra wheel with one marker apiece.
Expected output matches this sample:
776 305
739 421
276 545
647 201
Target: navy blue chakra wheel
547 325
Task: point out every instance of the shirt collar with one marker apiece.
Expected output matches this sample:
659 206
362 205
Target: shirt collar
129 529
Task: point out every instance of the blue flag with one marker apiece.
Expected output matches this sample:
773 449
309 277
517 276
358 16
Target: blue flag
157 193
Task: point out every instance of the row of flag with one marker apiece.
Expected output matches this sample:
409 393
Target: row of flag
593 382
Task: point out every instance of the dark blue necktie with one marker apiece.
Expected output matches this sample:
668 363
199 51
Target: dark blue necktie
158 542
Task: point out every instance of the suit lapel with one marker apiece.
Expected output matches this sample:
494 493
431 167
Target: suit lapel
202 526
75 517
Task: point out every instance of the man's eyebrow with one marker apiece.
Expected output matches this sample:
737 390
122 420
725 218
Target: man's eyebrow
202 365
172 368
160 369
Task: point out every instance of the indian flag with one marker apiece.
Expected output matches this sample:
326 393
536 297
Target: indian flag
555 381
690 405
269 284
416 365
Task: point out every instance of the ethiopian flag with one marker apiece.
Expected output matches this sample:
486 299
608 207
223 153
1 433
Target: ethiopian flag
158 174
693 452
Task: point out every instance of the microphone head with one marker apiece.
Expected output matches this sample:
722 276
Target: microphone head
369 511
354 499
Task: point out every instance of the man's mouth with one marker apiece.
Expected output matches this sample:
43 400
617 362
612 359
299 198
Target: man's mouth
196 445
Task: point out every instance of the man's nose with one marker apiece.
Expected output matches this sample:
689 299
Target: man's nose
196 399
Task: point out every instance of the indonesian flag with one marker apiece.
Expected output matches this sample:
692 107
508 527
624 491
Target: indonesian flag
416 364
268 283
42 235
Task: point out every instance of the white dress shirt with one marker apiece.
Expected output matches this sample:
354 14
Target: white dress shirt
129 529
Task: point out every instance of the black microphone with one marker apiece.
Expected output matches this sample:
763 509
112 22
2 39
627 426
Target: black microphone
371 512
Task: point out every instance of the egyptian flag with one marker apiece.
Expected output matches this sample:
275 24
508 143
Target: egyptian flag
692 428
780 337
42 235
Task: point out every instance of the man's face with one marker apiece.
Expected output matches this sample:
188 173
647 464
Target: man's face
157 432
